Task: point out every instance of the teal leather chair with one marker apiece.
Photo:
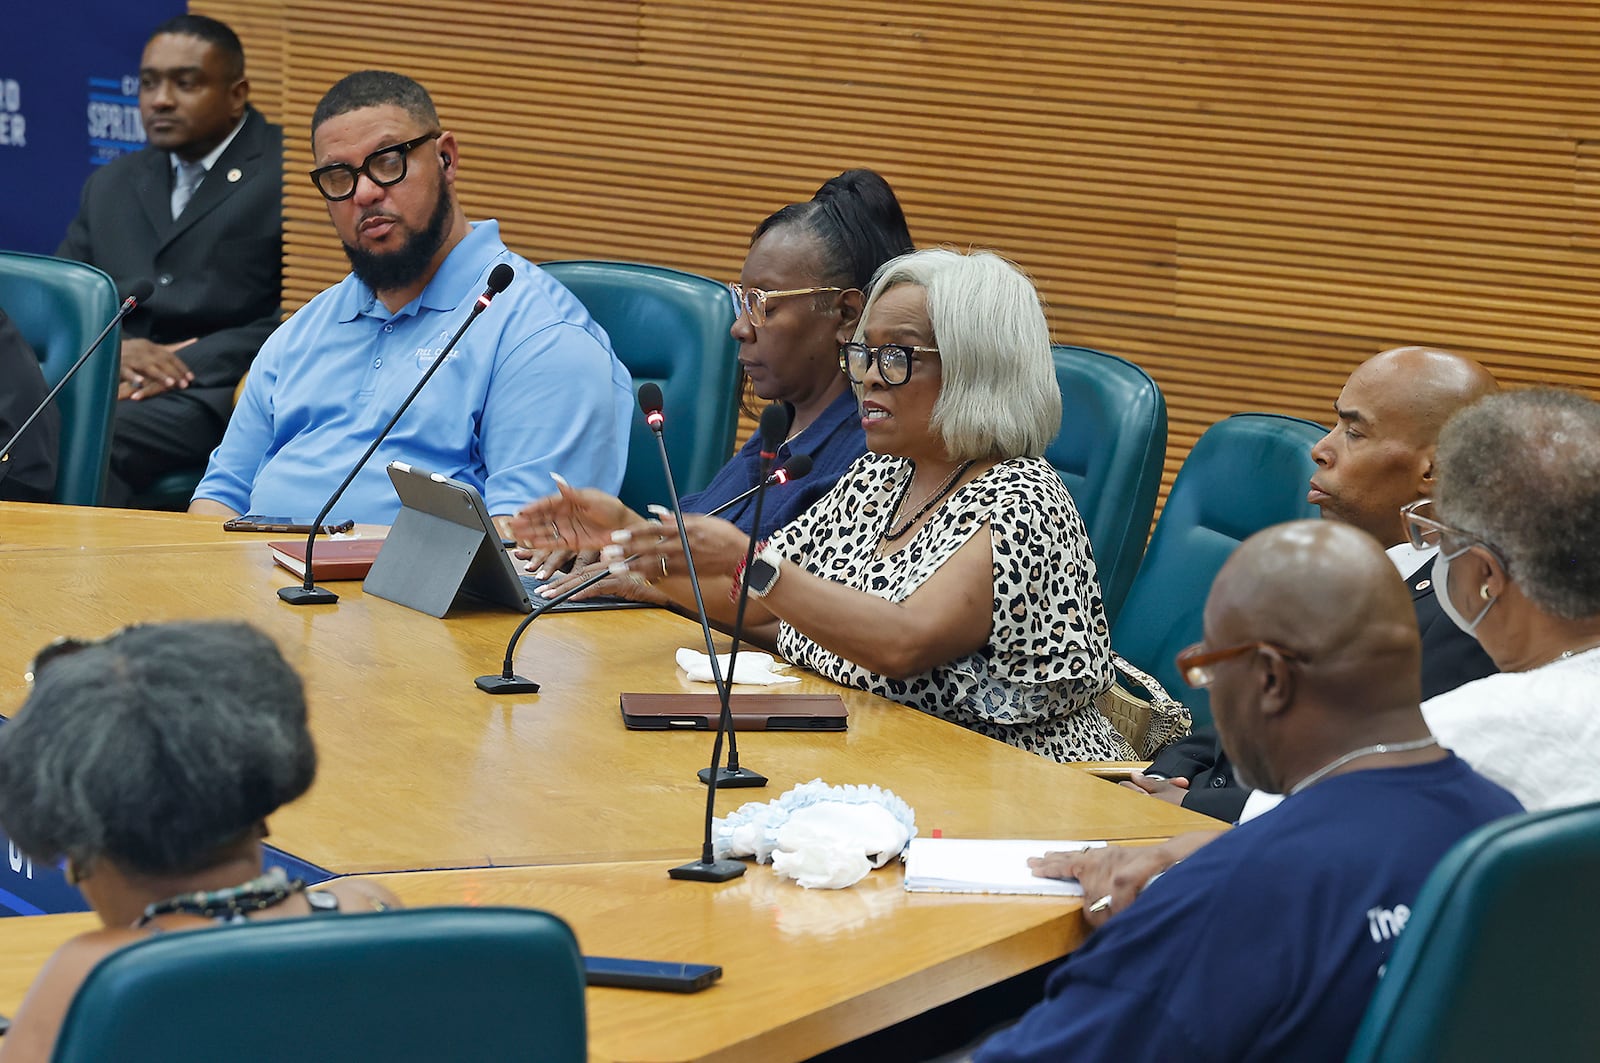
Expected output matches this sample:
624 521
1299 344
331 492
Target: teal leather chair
669 327
388 987
59 306
1245 473
1109 452
1498 958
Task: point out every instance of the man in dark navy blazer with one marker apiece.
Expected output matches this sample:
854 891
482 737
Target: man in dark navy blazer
198 212
1377 458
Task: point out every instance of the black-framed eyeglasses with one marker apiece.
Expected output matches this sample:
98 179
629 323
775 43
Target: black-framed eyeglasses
894 361
384 167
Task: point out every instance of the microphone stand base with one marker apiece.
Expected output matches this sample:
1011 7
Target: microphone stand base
714 871
500 684
307 595
734 778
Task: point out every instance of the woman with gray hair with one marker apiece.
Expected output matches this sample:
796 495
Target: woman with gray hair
1517 524
153 778
948 570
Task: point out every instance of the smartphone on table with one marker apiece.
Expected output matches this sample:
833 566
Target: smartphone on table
649 974
255 522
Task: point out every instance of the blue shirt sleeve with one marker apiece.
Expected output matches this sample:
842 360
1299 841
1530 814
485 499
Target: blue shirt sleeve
231 471
559 402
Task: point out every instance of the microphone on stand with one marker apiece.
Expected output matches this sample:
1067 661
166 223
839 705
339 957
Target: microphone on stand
138 292
308 593
707 868
508 682
775 421
793 469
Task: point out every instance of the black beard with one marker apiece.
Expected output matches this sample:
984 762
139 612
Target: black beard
400 269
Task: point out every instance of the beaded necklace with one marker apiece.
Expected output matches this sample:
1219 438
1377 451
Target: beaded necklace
266 891
932 500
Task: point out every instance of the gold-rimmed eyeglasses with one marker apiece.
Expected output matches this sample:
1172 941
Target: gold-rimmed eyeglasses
753 301
384 167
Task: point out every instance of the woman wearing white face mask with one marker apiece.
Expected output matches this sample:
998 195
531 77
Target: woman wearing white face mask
1517 523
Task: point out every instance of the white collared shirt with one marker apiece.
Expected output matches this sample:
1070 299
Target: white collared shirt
215 153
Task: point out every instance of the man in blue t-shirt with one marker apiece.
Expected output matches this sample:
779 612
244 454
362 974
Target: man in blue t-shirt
1267 943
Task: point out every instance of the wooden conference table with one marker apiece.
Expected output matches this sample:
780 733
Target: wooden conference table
420 771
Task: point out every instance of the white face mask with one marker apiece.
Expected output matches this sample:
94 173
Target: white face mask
1441 590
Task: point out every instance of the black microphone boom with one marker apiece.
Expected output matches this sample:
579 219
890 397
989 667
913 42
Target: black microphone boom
775 421
708 868
138 292
308 593
509 682
793 469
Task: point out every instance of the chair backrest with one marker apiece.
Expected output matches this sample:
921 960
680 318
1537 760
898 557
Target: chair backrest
420 984
59 306
1497 959
1109 452
670 327
1245 473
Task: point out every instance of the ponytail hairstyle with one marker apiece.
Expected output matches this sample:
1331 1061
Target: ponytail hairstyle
858 225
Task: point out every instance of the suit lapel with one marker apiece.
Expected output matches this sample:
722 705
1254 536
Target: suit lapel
234 168
154 190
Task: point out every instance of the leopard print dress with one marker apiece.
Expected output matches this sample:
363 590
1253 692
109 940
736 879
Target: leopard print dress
1049 653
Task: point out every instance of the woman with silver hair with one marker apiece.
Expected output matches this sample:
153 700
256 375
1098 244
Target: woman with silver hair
1517 524
153 779
948 570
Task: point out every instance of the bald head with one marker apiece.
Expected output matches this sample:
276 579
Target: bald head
1425 386
1345 645
1379 455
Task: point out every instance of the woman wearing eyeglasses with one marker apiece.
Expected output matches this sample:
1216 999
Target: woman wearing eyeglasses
1517 524
798 297
948 570
154 780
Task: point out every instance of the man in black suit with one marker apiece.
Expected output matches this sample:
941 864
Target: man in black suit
29 471
198 212
1377 458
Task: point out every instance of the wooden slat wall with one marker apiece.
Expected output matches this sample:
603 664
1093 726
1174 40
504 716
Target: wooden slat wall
1245 196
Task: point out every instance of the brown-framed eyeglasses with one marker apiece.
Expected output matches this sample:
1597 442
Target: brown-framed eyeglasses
1198 665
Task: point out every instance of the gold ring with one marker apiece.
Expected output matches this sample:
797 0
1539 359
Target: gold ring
663 568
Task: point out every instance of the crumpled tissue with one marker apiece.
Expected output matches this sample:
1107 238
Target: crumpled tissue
754 667
823 837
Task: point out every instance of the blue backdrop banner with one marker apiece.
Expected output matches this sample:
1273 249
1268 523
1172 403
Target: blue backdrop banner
69 86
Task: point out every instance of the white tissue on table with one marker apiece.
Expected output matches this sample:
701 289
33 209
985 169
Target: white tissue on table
754 667
824 837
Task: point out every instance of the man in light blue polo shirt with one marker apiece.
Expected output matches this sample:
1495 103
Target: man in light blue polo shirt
531 389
